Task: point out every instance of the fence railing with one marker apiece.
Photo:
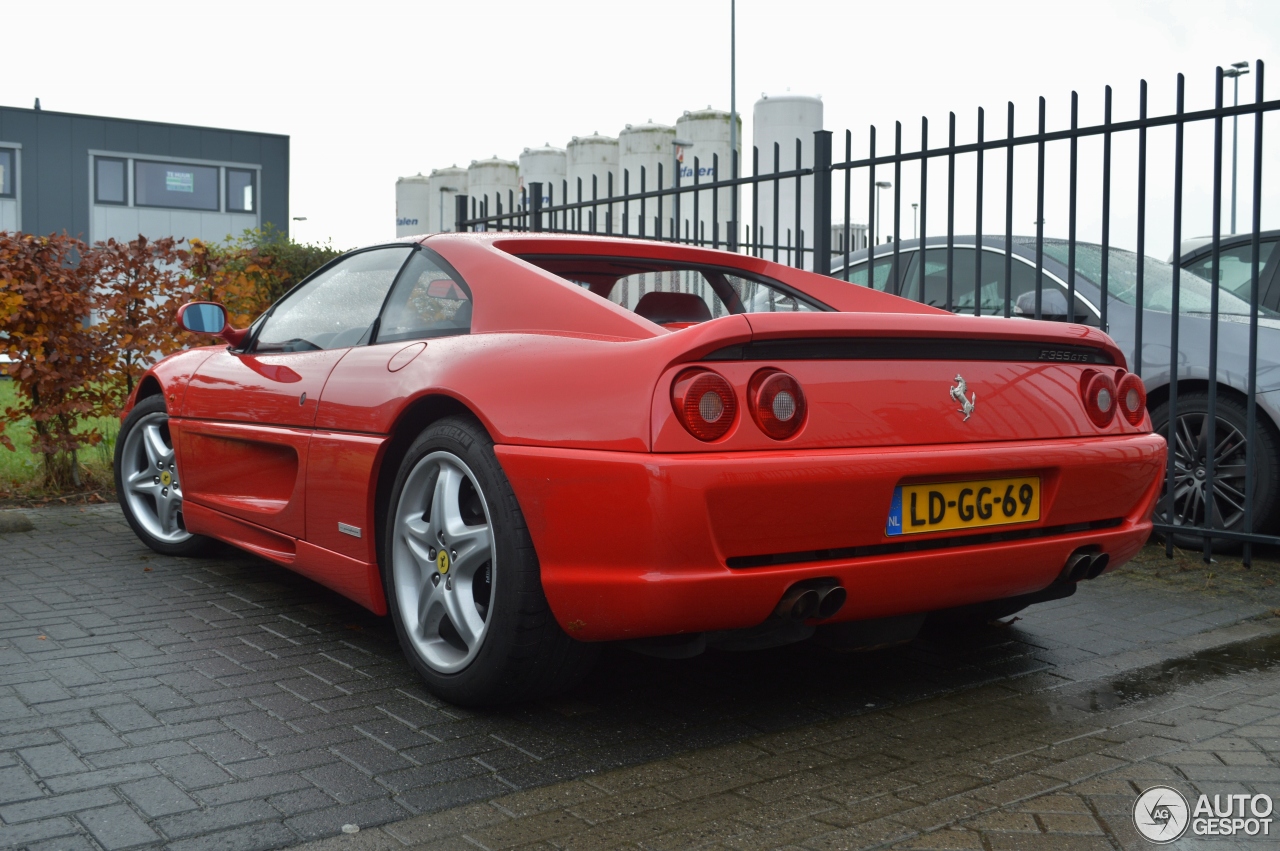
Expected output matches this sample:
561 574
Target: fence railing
1211 488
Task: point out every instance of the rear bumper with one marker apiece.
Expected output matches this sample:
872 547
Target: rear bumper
634 545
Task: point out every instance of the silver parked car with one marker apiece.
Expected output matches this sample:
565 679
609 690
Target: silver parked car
1193 500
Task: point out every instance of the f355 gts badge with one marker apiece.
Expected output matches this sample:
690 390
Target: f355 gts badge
966 404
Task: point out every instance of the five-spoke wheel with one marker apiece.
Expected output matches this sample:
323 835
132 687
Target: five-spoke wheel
147 481
443 561
463 584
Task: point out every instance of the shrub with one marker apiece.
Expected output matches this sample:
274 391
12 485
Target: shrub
140 286
48 283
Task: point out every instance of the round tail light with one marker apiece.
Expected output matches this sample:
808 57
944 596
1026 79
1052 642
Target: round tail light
1132 396
1100 398
777 403
704 403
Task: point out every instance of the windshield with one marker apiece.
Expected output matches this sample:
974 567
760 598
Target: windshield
1157 284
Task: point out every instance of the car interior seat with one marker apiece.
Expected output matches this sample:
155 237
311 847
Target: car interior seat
668 308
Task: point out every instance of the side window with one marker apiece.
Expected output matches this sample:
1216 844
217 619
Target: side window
990 293
426 302
336 308
1235 267
884 265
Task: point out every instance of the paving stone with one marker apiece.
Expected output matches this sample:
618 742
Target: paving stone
117 827
157 796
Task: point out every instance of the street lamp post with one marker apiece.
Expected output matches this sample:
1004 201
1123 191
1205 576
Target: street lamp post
880 184
299 219
1235 72
915 209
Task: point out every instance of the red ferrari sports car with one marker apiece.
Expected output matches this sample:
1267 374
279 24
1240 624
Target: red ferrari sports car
522 445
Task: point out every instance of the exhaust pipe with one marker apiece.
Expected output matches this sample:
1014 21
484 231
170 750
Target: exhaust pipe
799 603
820 598
1098 564
1084 563
1078 564
830 601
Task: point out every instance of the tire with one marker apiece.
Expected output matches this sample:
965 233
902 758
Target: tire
1229 478
148 485
462 580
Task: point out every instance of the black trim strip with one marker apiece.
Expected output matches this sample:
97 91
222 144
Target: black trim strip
850 553
910 348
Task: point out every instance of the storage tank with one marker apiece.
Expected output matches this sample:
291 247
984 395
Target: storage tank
708 131
646 146
493 180
783 119
444 186
545 165
412 204
588 157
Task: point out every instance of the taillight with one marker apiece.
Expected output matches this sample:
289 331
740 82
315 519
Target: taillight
1132 394
704 403
777 403
1099 392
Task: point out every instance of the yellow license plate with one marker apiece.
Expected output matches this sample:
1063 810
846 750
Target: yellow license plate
963 505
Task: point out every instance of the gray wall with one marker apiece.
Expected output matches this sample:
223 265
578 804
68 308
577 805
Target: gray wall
55 161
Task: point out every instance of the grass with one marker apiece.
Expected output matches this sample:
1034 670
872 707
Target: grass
22 472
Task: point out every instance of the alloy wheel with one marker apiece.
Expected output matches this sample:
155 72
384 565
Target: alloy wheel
149 475
1194 502
443 562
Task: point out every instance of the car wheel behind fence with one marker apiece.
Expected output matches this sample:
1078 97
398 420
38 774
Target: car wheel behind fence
1195 504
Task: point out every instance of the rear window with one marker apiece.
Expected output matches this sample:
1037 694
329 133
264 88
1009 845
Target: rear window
676 294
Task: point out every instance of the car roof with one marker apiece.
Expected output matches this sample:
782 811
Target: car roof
1198 246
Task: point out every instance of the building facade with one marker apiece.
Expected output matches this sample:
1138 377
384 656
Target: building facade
98 178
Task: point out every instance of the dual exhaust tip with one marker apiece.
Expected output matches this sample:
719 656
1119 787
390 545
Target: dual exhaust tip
813 598
1085 563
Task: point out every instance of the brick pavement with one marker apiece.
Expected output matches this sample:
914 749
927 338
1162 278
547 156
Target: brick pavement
1041 762
226 703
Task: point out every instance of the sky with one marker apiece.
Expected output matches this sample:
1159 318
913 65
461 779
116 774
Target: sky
371 91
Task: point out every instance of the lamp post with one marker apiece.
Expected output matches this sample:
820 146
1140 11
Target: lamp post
733 85
915 208
1235 72
880 184
299 219
444 189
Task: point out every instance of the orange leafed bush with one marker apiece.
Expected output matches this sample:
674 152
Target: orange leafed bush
48 285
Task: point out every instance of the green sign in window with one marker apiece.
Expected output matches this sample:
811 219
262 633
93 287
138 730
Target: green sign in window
179 181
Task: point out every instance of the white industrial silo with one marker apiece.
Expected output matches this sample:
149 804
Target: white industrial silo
494 181
411 205
444 185
782 119
708 131
545 165
650 147
594 157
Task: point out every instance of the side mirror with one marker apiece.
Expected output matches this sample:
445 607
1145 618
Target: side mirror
1053 305
206 317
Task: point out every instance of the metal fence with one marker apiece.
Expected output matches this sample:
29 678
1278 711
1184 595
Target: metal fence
650 207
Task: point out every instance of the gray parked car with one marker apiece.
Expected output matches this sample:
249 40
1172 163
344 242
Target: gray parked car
1192 497
1235 264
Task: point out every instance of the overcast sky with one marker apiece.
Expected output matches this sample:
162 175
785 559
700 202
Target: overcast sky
373 90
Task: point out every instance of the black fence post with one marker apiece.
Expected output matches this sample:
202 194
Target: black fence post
460 213
535 206
822 202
